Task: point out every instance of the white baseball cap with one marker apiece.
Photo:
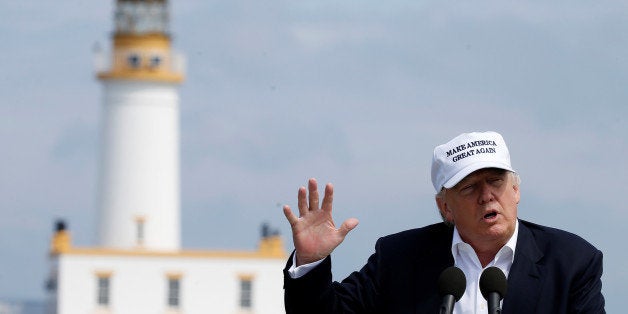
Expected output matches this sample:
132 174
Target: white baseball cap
465 154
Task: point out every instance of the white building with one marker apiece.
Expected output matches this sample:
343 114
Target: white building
138 265
105 280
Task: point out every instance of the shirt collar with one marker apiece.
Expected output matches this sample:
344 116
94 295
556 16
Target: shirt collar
511 244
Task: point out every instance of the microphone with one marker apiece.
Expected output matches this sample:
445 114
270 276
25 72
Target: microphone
451 286
493 286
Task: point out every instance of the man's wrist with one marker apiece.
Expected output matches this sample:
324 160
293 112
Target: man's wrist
299 271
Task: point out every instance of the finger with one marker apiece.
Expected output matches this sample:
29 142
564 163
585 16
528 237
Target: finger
313 187
328 199
347 226
302 201
292 219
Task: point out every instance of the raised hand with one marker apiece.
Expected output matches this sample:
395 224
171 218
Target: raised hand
314 233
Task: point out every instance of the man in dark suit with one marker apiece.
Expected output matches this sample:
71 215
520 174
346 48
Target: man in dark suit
548 270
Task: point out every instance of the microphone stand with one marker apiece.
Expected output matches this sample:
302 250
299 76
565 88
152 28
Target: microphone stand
493 303
447 307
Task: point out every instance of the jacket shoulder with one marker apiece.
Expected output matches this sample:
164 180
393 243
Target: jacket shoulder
553 239
433 235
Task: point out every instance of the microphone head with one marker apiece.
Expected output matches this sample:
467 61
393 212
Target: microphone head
493 280
452 281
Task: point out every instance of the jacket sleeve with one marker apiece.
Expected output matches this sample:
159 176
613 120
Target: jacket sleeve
586 292
315 292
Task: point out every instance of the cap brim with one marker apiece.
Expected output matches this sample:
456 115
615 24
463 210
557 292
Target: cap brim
474 167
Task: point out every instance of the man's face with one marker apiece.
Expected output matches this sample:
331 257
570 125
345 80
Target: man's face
483 206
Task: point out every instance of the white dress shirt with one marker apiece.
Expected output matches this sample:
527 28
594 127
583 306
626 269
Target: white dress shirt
296 272
467 260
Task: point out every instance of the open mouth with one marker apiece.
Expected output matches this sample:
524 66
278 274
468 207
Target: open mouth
490 215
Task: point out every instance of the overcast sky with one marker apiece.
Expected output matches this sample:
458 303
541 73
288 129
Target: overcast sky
356 93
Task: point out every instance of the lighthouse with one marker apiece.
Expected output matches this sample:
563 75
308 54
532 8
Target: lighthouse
138 192
138 265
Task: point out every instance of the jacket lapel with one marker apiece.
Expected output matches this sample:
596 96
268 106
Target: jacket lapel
432 262
525 278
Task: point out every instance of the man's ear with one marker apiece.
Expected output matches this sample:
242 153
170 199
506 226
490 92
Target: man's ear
517 192
445 212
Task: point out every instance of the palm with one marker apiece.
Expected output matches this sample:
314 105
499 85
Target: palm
315 236
314 233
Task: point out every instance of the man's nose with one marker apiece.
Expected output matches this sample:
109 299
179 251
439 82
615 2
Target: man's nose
486 193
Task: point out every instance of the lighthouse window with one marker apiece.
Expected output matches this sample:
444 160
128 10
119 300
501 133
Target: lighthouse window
103 291
246 292
134 61
173 292
139 222
155 61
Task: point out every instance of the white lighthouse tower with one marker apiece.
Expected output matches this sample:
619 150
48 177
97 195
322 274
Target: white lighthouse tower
138 265
139 179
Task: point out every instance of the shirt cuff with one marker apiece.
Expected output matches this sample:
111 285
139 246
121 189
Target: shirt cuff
297 272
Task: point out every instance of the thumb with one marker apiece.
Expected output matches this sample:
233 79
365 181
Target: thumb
347 226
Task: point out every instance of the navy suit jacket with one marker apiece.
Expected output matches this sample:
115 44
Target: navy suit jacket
553 272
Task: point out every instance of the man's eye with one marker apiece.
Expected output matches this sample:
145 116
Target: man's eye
466 188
